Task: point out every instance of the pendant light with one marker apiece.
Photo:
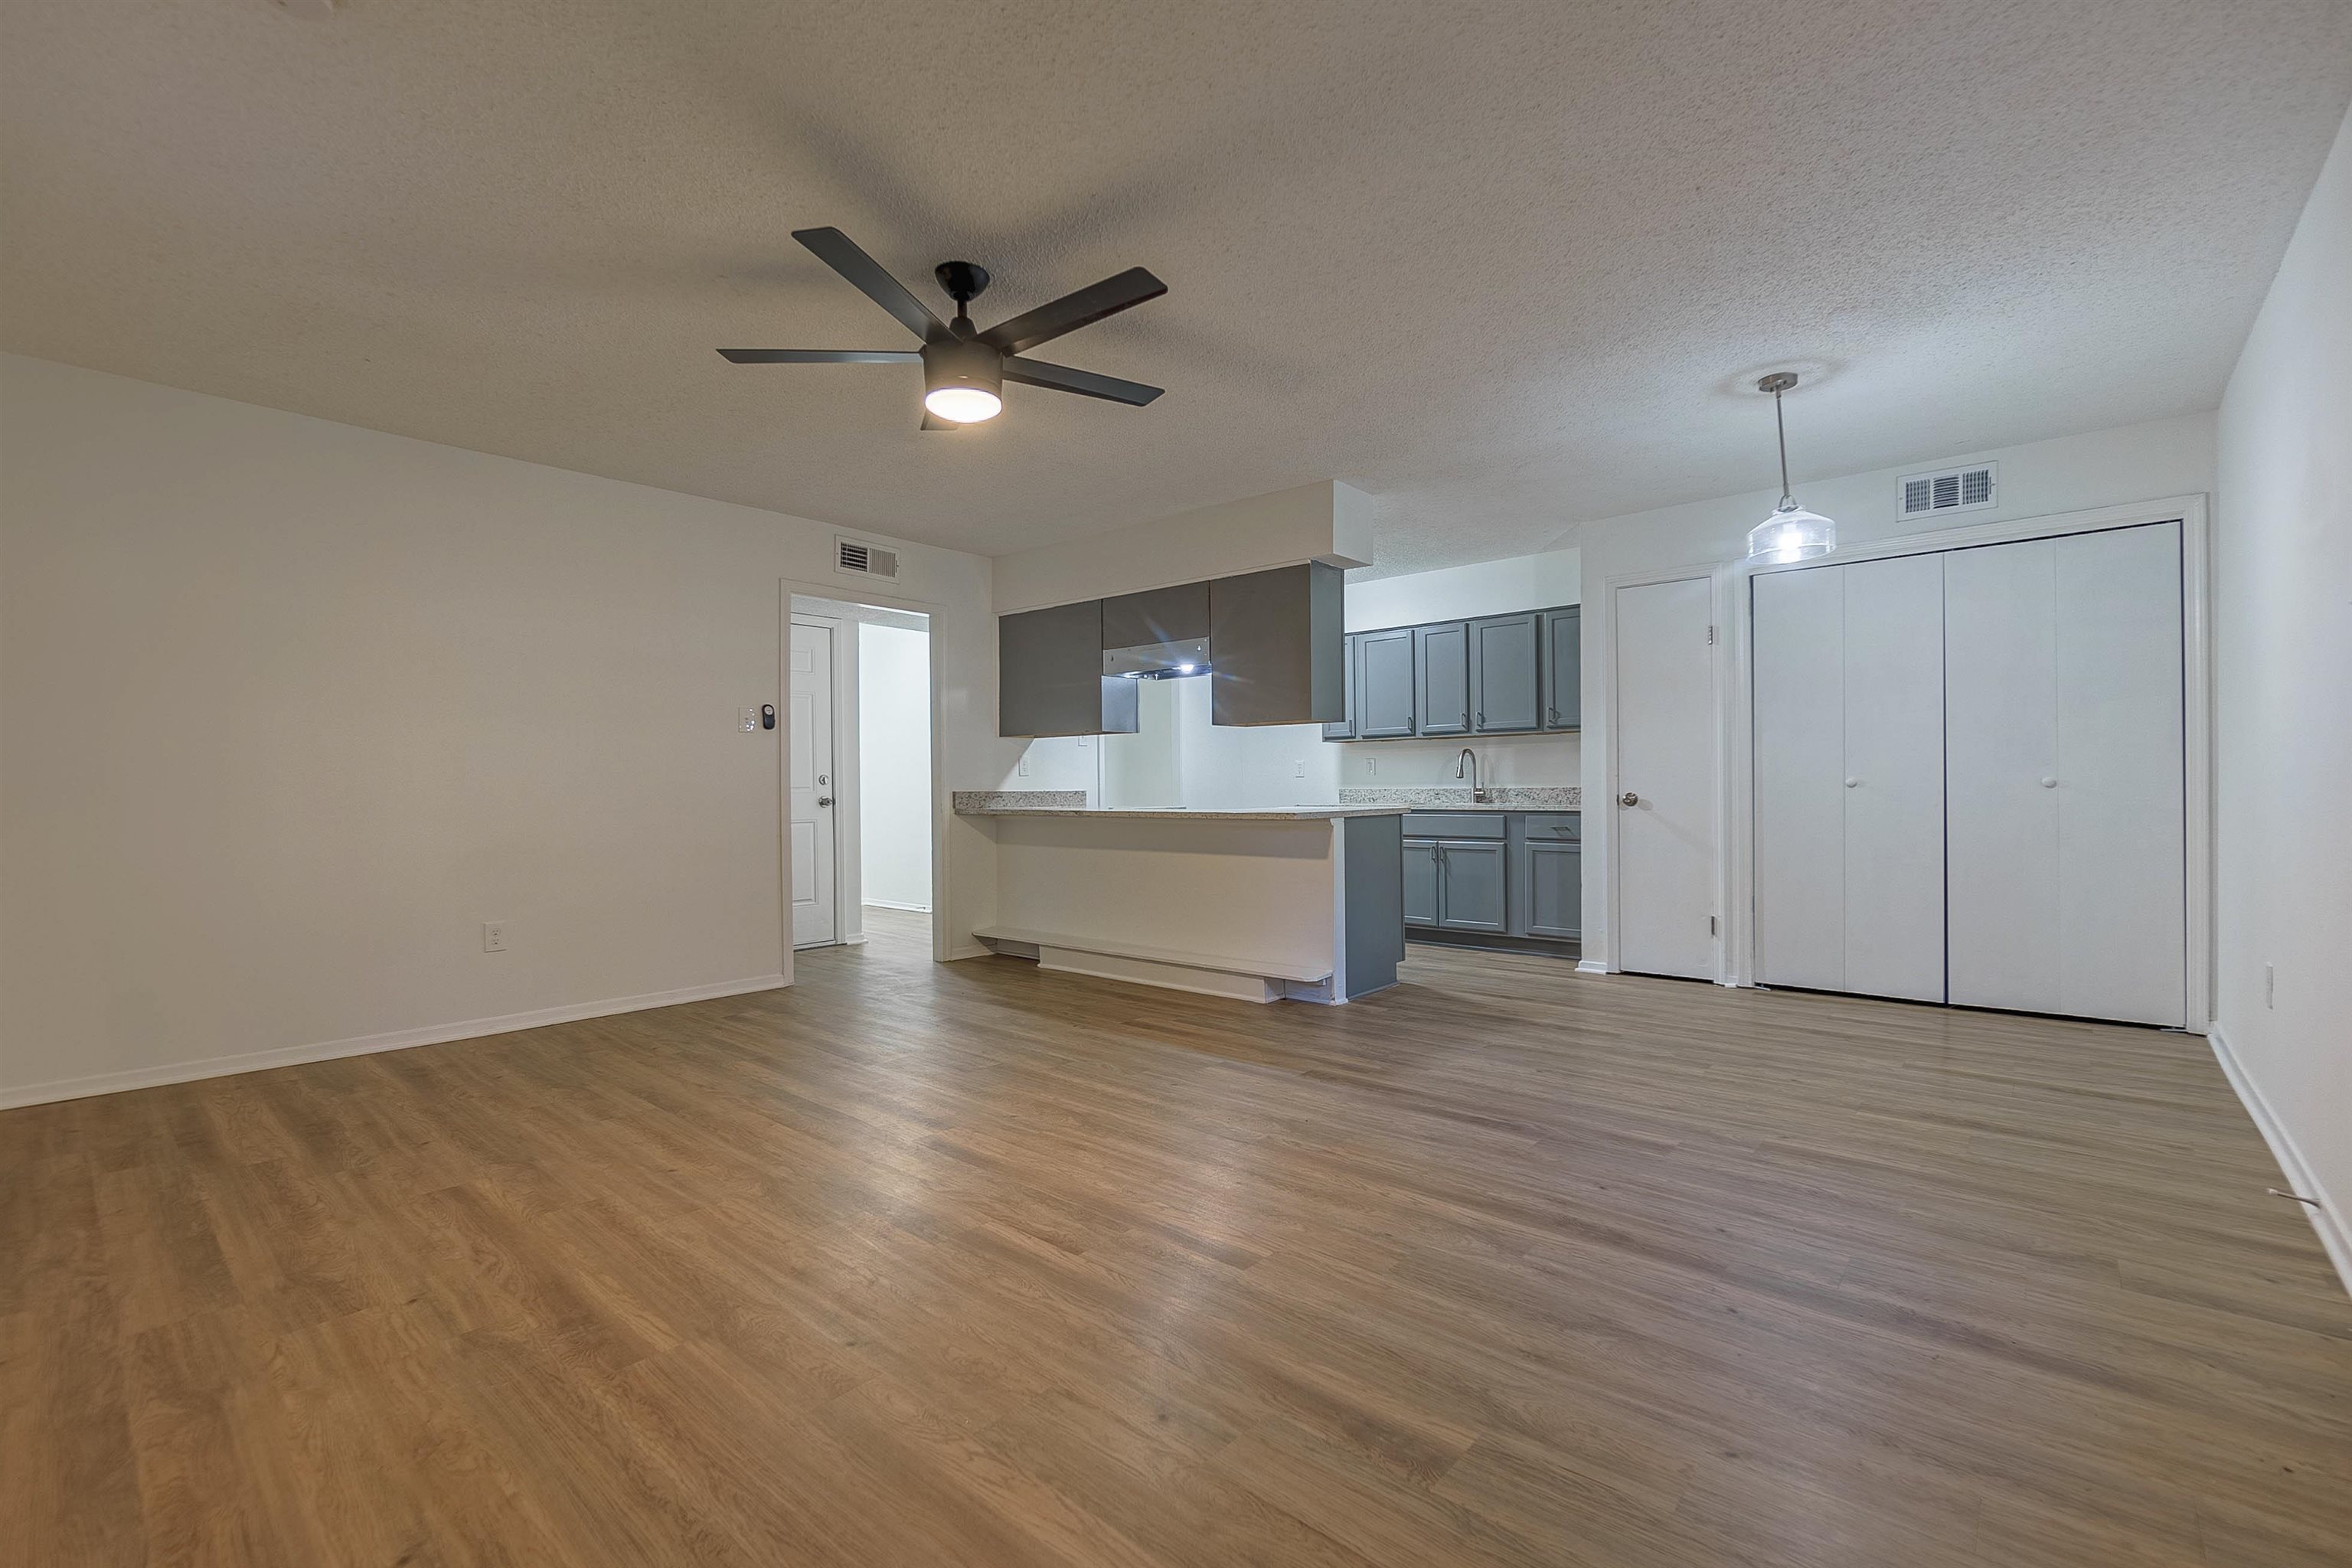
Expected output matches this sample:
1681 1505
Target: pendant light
1791 533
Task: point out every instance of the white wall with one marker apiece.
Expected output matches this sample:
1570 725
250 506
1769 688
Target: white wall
2070 473
894 764
291 708
1236 767
2283 700
1319 521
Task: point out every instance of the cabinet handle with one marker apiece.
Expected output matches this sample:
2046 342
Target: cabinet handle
1555 715
1482 719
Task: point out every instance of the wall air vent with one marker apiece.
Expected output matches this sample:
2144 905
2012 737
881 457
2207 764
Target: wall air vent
1955 490
856 558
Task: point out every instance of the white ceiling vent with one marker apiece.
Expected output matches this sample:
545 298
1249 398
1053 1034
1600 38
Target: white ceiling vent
1954 489
856 558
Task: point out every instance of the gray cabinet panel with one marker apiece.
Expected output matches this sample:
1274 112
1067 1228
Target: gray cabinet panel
1553 876
1373 914
1457 824
1420 882
1049 679
1441 662
1162 615
1472 883
1504 674
1384 665
1345 729
1275 648
1563 651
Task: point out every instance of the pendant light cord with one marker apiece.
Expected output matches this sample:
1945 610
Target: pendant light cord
1788 500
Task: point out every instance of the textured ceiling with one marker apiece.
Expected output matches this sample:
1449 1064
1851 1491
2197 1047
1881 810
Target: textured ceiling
1502 267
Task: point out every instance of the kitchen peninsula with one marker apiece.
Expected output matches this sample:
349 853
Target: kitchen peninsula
1303 902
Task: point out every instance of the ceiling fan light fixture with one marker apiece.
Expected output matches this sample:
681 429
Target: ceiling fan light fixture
1791 532
963 382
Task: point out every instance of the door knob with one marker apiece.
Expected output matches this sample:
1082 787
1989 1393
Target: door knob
1629 798
2049 784
824 800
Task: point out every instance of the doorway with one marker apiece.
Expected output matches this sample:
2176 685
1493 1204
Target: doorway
859 787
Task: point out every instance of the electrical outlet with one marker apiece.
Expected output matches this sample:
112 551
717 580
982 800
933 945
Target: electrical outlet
747 719
2270 986
1372 766
1084 741
1022 769
493 936
1299 770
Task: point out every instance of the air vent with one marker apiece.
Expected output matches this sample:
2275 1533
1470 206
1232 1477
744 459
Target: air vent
1954 489
856 558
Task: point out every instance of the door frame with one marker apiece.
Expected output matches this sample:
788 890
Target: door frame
2197 708
1721 585
941 817
842 676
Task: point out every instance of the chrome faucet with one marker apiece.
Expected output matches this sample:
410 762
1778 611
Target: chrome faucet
1470 759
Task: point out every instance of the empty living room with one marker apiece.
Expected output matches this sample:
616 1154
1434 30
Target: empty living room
1384 783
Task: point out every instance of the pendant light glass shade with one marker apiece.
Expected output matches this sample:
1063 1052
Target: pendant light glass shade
1791 532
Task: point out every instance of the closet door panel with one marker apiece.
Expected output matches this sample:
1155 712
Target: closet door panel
2000 745
1798 670
1894 777
2122 865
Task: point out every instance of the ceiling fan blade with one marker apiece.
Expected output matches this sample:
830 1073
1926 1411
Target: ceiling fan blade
1085 383
1071 312
838 251
822 356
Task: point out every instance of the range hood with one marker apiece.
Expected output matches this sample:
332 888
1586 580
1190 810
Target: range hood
1160 635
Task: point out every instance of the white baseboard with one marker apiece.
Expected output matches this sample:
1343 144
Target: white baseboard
368 1045
2326 1219
895 904
1591 966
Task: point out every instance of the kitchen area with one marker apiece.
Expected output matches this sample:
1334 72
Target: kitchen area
1282 793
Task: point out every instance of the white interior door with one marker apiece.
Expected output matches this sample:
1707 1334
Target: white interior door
1799 672
809 784
2067 841
1894 777
1665 851
2122 829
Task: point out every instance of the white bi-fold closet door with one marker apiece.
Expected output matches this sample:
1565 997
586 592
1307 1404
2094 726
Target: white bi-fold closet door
2066 837
1969 777
1848 689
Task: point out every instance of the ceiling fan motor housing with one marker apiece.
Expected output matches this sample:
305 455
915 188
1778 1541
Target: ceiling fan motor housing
962 361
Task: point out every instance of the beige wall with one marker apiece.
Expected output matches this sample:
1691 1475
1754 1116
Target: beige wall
289 709
2282 710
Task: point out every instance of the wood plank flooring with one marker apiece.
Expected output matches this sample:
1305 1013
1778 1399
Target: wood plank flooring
971 1264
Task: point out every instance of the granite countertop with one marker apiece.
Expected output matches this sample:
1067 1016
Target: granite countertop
1502 797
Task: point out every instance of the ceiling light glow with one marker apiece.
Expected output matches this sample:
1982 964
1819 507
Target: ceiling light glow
964 404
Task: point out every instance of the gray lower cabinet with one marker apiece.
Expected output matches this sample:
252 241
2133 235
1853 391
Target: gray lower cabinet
1344 728
1441 664
1515 874
1384 684
1472 886
1505 684
1563 667
1421 881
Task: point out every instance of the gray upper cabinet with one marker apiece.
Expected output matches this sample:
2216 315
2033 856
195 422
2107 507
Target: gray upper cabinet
1441 662
1345 729
1162 615
1504 671
1384 665
1473 884
1049 679
1563 666
1276 647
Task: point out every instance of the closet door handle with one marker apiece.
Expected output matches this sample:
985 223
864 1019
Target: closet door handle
2048 783
1854 784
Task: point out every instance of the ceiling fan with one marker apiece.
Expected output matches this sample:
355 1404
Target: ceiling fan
965 369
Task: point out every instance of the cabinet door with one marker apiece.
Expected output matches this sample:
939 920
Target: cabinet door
1472 886
1505 675
1420 882
1563 654
1555 878
1049 679
1441 662
1345 729
1385 704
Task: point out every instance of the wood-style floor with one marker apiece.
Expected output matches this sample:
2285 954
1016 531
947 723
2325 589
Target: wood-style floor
925 1265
